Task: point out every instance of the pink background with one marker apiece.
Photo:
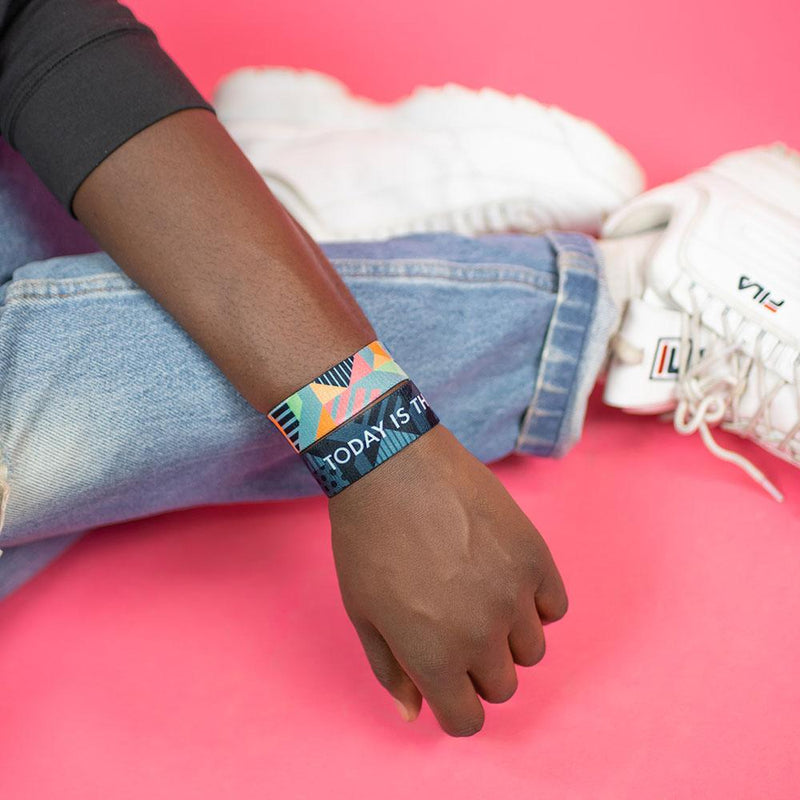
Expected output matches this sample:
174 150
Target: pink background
205 654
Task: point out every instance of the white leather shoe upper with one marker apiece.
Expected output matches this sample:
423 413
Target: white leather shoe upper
718 328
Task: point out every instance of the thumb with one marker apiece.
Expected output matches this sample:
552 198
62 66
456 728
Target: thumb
389 672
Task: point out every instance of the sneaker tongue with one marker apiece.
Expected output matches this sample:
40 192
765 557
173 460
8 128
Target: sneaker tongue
648 386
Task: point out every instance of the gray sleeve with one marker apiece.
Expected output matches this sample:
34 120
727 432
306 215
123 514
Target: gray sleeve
78 78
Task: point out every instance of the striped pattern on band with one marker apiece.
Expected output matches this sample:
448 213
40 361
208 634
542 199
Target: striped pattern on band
336 395
370 438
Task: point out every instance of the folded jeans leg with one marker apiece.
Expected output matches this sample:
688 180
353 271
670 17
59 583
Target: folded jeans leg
574 349
108 411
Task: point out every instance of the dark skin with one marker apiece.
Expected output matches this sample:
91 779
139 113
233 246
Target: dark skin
448 588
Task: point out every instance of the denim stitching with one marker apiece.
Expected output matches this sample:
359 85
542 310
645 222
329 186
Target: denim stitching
433 269
573 265
42 289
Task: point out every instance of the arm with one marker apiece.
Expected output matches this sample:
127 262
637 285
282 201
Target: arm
449 585
184 213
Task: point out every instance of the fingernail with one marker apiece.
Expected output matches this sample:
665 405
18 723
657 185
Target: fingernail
405 712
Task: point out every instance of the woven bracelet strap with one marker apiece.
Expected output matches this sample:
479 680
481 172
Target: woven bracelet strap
336 395
370 438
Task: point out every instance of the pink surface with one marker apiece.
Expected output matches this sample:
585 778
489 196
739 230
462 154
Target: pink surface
205 654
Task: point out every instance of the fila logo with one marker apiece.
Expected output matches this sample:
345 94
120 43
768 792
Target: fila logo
667 359
761 295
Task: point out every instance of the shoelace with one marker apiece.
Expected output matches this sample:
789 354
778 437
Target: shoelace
711 383
712 386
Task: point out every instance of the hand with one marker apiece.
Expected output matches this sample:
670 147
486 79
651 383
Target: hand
445 579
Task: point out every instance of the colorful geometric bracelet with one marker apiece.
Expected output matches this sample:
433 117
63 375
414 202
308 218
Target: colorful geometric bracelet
336 395
370 438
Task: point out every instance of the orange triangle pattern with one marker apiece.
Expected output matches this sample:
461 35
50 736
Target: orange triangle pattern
325 393
377 347
325 424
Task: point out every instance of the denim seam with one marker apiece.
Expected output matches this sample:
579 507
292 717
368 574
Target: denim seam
40 289
522 438
100 276
575 361
434 269
5 463
49 288
5 487
573 264
29 299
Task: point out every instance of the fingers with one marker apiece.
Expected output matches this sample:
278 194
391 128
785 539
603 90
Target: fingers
526 640
551 596
388 672
453 700
493 674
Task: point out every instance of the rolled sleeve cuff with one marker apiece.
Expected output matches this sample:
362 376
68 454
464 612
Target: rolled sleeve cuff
91 102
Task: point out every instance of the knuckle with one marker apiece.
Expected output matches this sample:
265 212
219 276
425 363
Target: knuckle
385 675
528 645
560 608
468 726
529 553
478 637
506 604
534 655
432 662
501 693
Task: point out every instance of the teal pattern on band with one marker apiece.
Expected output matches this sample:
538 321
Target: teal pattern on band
370 438
340 392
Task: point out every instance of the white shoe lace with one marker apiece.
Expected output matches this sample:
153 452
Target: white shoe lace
711 383
711 388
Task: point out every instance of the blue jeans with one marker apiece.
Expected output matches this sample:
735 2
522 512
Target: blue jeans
108 411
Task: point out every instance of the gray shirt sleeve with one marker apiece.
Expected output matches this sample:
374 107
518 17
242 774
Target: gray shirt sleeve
78 78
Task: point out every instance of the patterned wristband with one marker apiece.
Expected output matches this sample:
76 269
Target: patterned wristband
369 439
336 395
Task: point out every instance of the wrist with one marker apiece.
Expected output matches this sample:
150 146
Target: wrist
349 420
423 462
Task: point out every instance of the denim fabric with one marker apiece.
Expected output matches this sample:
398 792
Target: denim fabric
108 411
574 349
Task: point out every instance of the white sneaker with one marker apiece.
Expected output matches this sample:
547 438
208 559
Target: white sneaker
444 158
716 335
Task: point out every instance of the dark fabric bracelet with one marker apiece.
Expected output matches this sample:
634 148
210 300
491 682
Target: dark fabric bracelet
370 438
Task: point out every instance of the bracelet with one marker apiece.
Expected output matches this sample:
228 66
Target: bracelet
336 395
369 439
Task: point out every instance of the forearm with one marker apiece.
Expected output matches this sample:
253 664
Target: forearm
184 214
182 211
